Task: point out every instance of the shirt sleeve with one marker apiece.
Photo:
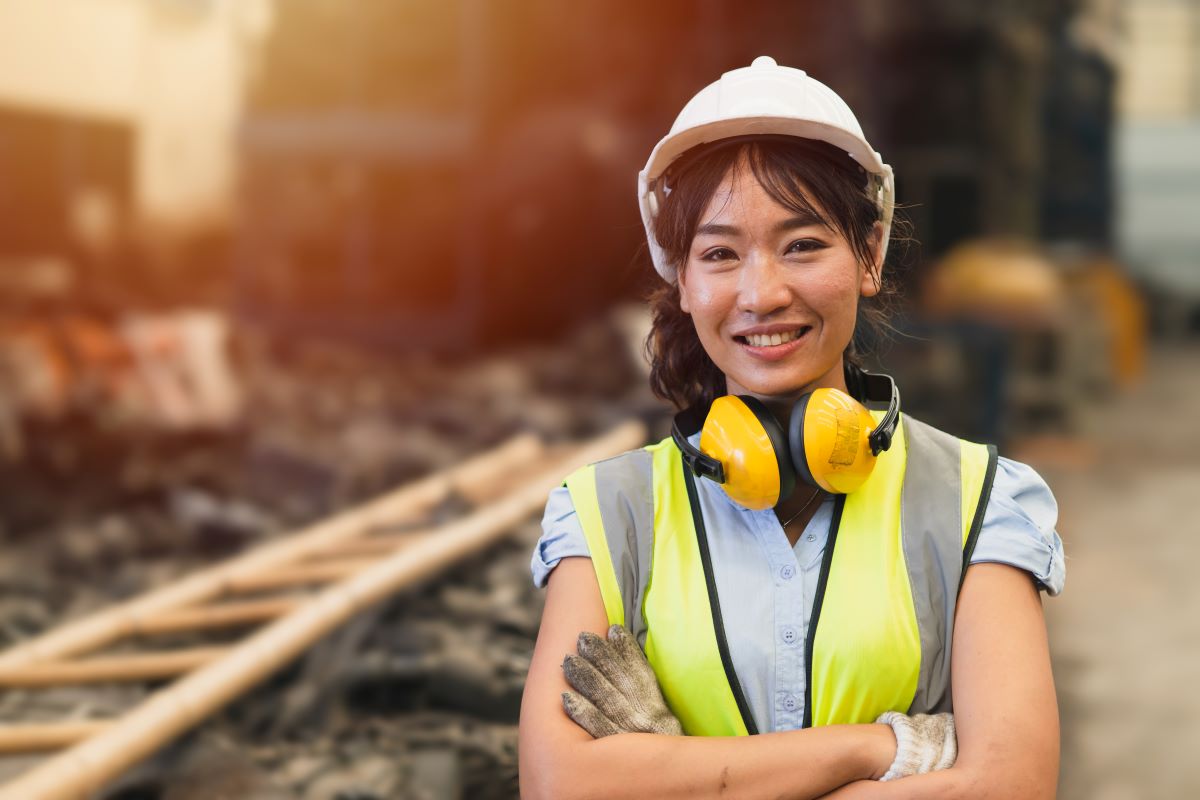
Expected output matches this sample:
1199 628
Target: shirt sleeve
1018 526
561 536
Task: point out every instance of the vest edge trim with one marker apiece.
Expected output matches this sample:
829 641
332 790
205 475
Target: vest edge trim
818 601
985 494
731 677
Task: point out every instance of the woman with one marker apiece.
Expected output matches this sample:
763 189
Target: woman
789 563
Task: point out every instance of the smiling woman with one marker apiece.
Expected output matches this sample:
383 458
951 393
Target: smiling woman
817 205
796 578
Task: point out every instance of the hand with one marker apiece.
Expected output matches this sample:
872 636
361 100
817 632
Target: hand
924 743
617 689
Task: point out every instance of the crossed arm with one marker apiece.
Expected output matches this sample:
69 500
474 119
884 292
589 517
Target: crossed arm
1004 706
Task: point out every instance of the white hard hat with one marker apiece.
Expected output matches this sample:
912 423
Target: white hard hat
763 98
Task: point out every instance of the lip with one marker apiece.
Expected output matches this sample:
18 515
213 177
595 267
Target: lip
775 352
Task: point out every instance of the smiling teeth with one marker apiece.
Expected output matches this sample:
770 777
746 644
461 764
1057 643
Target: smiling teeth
773 339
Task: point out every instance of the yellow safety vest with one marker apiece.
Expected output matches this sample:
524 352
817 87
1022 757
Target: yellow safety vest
883 618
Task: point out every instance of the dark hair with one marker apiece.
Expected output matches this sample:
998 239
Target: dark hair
791 171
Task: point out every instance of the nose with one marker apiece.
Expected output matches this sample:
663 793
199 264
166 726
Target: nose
763 287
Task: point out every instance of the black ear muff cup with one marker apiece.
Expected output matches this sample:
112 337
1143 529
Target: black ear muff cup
787 474
796 442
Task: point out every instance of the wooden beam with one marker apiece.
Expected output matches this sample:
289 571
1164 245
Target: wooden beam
109 669
37 738
223 615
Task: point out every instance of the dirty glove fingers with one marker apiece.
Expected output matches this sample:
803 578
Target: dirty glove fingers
647 695
604 657
622 642
628 697
595 688
924 743
628 714
587 716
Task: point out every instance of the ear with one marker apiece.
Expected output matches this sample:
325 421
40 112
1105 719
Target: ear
872 277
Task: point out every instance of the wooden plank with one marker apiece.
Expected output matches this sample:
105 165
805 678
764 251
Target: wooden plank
223 615
39 737
109 669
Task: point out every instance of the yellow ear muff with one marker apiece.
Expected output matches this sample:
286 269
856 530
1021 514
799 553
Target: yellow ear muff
744 436
828 438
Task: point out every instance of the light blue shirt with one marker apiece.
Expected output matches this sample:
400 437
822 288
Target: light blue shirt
766 587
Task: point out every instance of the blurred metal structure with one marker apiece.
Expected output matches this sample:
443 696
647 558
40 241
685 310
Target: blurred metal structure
1158 156
115 119
997 115
345 193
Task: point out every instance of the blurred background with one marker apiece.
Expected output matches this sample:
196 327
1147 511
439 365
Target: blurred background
261 260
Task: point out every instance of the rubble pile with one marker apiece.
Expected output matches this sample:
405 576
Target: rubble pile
416 698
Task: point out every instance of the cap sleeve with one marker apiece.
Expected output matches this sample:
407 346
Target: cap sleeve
561 536
1019 526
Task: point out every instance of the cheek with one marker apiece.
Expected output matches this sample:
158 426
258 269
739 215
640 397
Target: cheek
838 291
702 299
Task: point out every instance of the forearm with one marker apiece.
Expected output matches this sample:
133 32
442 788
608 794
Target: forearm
956 783
945 784
794 764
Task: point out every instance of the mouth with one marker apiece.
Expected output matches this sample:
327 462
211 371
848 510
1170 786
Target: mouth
774 345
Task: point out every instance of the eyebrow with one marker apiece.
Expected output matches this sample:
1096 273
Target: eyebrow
791 223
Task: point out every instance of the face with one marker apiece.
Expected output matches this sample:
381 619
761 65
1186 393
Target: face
773 295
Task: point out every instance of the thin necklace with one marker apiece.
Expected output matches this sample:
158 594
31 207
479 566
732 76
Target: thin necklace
802 508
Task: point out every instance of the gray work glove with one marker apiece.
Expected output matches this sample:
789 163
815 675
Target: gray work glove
617 689
924 743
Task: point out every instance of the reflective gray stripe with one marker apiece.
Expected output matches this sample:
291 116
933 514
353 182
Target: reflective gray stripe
625 490
932 535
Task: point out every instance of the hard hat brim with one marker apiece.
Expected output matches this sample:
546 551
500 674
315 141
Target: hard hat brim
672 147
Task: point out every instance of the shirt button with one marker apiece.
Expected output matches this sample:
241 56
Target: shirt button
787 571
812 537
789 703
789 635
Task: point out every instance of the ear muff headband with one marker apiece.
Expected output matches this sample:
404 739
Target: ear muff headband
881 388
796 441
701 464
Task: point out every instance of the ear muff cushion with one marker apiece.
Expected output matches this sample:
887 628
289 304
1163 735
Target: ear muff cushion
796 442
833 434
787 473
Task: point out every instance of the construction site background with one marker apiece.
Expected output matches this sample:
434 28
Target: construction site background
263 261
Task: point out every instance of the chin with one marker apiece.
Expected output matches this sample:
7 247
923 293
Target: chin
774 389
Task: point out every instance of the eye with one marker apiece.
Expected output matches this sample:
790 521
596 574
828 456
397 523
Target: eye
718 254
805 246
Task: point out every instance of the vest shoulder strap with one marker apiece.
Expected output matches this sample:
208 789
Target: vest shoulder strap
614 501
947 485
